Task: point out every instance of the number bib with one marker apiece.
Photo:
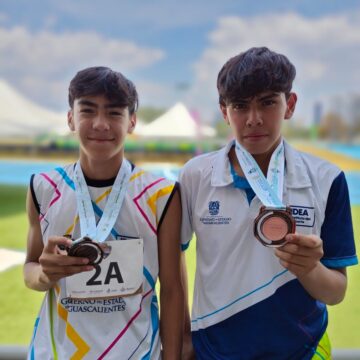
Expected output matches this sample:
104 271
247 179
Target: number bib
119 274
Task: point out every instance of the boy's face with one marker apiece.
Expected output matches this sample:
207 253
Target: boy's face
101 126
256 122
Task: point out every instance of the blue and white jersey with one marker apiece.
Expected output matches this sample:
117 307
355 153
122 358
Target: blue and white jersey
246 305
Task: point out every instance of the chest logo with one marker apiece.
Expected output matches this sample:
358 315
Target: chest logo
214 218
303 215
214 207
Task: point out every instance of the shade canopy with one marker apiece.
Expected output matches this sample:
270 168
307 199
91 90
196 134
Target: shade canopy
176 122
20 117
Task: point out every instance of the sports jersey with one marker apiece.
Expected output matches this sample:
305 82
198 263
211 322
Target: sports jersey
246 305
111 328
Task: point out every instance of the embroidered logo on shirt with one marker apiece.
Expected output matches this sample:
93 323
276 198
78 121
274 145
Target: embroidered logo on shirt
215 218
303 215
214 207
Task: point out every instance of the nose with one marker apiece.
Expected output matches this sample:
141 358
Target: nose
100 123
253 118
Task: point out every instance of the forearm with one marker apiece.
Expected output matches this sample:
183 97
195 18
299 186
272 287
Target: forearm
187 348
35 278
324 284
172 321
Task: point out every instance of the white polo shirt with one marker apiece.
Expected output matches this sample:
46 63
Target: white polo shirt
236 275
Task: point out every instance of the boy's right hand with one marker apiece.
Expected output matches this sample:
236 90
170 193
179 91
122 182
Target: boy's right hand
56 264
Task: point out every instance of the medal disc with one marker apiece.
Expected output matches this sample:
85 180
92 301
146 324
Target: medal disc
272 225
89 249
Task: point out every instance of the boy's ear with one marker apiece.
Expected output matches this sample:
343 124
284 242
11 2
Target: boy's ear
132 123
224 113
70 120
290 105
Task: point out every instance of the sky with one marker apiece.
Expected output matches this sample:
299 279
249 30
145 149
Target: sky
173 50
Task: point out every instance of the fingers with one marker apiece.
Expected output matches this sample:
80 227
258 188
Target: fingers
60 272
299 260
54 242
61 260
301 254
56 264
308 241
297 269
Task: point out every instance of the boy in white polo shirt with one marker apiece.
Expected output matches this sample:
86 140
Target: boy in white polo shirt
273 226
125 227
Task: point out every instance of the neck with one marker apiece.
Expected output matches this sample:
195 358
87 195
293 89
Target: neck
101 170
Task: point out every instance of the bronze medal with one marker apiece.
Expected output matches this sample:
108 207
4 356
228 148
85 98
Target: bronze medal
272 225
88 249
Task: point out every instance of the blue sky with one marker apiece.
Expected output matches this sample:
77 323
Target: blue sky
173 50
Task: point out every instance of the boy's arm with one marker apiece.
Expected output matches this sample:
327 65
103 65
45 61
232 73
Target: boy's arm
44 266
187 348
301 255
171 290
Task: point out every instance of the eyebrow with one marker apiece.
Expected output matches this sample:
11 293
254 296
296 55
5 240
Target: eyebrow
268 96
94 105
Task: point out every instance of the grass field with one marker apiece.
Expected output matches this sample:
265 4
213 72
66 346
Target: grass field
19 306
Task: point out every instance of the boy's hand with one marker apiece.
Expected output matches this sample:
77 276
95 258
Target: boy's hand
301 254
56 264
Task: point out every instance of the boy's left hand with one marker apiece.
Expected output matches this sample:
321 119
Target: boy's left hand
301 254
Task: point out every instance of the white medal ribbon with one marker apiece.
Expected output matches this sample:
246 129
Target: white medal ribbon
270 189
112 208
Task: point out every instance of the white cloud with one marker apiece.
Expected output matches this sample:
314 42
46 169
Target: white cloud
38 62
325 51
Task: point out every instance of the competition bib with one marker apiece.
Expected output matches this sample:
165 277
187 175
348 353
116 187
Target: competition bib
119 274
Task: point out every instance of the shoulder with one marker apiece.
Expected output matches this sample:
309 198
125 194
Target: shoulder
200 165
53 177
143 180
303 164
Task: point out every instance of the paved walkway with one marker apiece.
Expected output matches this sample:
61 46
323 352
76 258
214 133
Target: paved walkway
9 258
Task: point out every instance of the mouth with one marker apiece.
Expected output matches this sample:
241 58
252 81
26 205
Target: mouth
254 136
96 139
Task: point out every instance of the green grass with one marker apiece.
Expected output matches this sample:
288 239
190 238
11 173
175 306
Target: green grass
344 318
12 200
19 305
18 308
13 220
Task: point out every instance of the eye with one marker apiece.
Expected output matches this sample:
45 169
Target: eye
268 102
239 106
86 111
116 113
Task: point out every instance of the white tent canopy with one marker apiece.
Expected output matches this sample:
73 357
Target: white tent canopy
176 122
19 117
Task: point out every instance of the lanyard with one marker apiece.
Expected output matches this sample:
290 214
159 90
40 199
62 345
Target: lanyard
112 208
269 190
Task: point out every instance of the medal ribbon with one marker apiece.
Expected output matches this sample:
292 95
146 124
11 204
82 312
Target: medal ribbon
269 190
112 208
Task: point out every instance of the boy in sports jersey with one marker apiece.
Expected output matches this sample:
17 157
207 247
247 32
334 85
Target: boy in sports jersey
253 301
104 305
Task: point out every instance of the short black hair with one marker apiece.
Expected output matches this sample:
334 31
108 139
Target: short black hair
253 72
101 80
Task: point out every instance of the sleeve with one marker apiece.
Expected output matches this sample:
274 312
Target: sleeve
337 230
174 189
186 197
32 189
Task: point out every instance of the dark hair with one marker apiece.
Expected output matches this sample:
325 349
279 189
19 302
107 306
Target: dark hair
253 72
100 80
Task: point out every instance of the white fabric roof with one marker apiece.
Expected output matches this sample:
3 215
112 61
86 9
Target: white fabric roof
19 117
176 122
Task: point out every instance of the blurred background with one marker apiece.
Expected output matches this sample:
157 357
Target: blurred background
173 52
